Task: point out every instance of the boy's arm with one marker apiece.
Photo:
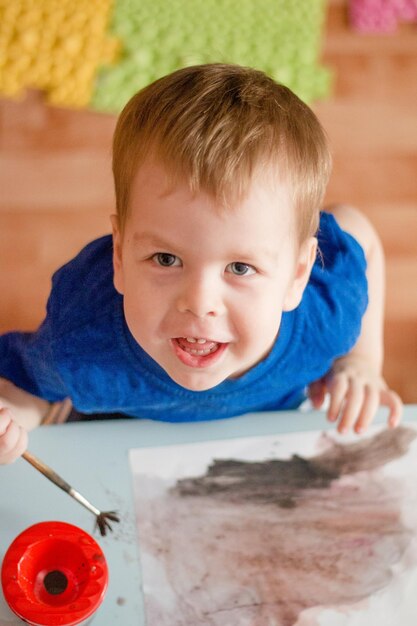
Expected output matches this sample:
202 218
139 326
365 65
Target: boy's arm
19 412
355 382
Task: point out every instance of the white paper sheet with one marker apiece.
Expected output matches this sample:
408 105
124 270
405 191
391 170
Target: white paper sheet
269 540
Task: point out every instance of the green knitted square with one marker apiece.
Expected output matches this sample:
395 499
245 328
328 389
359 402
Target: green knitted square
280 37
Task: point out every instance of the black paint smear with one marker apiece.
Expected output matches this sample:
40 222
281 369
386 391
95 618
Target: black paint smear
281 482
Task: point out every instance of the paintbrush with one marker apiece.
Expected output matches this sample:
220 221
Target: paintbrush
102 517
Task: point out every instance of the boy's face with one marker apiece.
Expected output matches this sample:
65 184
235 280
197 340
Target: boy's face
204 288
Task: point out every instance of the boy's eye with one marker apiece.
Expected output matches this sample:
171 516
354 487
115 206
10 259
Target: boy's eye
164 259
240 269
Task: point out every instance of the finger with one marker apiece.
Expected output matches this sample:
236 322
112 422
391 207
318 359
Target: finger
338 387
392 400
18 449
10 454
5 419
13 439
352 406
316 393
9 437
368 410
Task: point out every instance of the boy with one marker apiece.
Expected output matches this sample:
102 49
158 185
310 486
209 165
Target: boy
223 290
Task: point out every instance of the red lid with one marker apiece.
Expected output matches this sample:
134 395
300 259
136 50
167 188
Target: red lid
54 574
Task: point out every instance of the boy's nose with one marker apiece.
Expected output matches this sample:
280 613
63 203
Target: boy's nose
202 297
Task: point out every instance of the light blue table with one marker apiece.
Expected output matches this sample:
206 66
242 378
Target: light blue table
93 457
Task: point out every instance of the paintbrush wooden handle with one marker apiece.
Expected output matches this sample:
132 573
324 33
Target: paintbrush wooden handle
47 471
58 481
102 517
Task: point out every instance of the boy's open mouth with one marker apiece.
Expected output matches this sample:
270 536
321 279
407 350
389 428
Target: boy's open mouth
197 351
199 346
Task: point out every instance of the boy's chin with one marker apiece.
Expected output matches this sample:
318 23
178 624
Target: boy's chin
197 381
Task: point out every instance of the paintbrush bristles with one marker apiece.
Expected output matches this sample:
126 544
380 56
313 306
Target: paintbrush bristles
102 521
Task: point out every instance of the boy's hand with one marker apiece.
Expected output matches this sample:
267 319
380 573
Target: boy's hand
13 438
356 391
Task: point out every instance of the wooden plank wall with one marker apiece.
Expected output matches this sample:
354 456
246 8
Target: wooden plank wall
371 120
56 189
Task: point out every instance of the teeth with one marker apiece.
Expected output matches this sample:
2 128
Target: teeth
194 340
199 352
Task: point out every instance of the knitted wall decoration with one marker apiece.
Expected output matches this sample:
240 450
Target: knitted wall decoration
381 16
98 53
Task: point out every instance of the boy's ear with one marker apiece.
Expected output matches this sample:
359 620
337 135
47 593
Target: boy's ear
117 255
304 264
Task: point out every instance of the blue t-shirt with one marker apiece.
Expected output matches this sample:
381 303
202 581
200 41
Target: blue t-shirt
84 350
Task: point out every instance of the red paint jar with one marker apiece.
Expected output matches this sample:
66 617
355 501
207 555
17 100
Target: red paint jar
54 574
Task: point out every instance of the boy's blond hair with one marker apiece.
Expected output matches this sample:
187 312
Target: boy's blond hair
214 125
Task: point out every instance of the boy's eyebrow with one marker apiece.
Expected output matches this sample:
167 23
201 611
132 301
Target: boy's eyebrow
150 239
